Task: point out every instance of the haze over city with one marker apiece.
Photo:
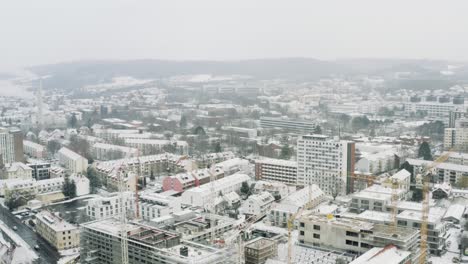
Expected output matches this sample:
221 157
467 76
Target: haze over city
56 31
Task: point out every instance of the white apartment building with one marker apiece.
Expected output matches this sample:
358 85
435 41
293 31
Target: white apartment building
457 138
389 255
232 166
457 158
276 170
293 125
437 229
147 145
402 178
353 235
103 151
111 134
325 162
72 161
153 205
307 197
17 170
45 186
277 189
109 206
445 172
34 150
241 132
202 195
376 158
433 109
257 204
58 232
375 198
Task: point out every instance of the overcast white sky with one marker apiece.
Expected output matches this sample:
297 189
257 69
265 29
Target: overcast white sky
47 31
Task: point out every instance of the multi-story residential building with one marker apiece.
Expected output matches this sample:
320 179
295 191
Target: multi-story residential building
409 216
103 151
325 162
154 205
277 189
276 170
240 132
444 172
307 197
457 158
389 255
100 243
231 166
43 187
17 170
203 195
144 166
157 145
34 150
376 158
212 158
183 181
257 204
58 232
375 198
354 236
436 228
40 170
11 145
109 206
457 138
432 109
292 125
72 161
112 134
456 115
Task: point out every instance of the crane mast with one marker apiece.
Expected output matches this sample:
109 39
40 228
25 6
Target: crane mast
426 172
212 204
123 217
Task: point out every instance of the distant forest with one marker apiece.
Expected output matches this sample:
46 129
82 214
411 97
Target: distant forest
78 74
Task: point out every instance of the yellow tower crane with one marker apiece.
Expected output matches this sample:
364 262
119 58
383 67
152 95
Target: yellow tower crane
426 172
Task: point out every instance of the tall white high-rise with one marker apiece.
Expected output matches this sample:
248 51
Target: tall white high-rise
326 162
11 145
457 138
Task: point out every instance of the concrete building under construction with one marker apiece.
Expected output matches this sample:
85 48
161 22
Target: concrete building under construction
101 243
259 250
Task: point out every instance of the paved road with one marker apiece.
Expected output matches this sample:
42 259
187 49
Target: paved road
47 254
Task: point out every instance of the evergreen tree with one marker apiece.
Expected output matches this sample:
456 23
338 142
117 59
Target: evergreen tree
410 169
217 147
73 121
318 130
372 132
425 151
94 180
245 188
72 189
183 121
285 152
152 175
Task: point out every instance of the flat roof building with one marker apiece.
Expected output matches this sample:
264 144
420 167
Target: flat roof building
100 243
276 170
